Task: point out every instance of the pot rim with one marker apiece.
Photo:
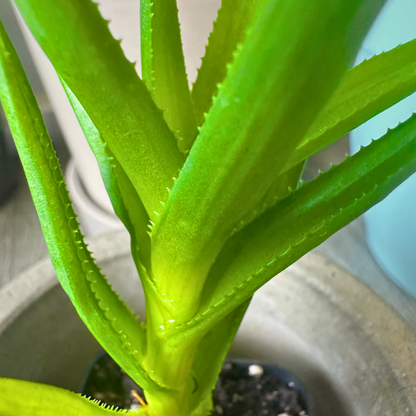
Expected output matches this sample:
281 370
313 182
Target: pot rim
377 322
19 293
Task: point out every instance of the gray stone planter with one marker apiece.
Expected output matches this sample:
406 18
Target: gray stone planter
350 349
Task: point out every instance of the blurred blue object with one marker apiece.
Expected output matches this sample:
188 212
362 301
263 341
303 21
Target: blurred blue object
391 225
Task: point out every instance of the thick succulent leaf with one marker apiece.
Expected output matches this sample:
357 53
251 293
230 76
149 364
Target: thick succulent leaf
163 67
367 90
25 398
302 221
210 356
110 321
281 76
229 30
124 198
91 62
233 20
278 190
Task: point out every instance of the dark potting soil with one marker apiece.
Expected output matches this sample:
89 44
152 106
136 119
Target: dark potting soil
243 389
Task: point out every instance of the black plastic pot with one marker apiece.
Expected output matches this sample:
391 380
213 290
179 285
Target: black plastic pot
353 353
244 388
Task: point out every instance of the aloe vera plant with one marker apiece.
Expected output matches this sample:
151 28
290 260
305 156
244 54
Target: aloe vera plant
207 181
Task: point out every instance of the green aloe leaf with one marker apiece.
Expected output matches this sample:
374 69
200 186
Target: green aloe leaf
233 20
124 198
281 76
230 27
210 356
109 320
25 398
278 190
107 86
302 221
163 67
367 90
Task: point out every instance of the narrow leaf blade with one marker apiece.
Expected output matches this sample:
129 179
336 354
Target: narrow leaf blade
367 90
281 76
25 398
163 67
210 356
109 320
91 62
124 198
229 30
303 220
278 190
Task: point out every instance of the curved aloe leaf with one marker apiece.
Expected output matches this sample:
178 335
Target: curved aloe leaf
303 220
229 30
281 76
107 86
124 198
230 27
210 356
163 67
109 320
233 20
25 398
278 190
367 90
